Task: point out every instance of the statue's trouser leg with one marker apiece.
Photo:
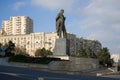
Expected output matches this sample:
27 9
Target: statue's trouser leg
59 34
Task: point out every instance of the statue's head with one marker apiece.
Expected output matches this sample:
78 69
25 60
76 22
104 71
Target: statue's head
62 10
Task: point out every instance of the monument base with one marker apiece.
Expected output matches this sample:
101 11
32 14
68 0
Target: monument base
62 47
64 57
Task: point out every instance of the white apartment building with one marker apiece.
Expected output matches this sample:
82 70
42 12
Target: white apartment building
17 25
31 42
116 57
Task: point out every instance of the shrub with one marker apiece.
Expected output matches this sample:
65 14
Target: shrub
28 59
43 52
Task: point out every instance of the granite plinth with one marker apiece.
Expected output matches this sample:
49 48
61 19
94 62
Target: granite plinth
62 47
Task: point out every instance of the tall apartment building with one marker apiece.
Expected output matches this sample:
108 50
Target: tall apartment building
17 25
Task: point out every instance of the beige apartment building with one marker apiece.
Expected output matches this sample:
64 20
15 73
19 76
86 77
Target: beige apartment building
31 42
17 25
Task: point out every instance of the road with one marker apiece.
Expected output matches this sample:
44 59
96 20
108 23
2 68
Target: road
113 76
17 73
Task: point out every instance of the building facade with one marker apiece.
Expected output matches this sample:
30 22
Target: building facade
17 25
116 57
32 42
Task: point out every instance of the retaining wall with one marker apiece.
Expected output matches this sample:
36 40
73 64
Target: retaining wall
75 64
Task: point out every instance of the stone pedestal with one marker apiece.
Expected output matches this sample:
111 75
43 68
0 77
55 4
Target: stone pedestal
62 47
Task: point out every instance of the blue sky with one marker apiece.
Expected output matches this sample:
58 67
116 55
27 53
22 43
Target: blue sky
90 19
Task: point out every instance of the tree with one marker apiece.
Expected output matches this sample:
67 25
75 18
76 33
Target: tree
82 53
0 46
0 49
89 52
42 52
20 51
103 56
10 49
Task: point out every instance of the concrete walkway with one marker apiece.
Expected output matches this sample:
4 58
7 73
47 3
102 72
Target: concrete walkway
4 61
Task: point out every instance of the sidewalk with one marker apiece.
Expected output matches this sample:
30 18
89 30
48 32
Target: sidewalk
4 62
40 67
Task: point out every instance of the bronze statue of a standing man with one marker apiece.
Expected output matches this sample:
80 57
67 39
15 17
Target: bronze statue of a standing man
60 25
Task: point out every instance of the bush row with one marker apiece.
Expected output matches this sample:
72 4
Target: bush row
27 59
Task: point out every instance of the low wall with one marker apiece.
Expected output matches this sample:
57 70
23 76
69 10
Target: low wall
30 65
59 65
83 64
75 64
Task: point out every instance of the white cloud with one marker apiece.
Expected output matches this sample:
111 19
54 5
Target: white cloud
116 27
53 4
109 39
104 36
17 5
104 7
102 21
117 49
106 11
